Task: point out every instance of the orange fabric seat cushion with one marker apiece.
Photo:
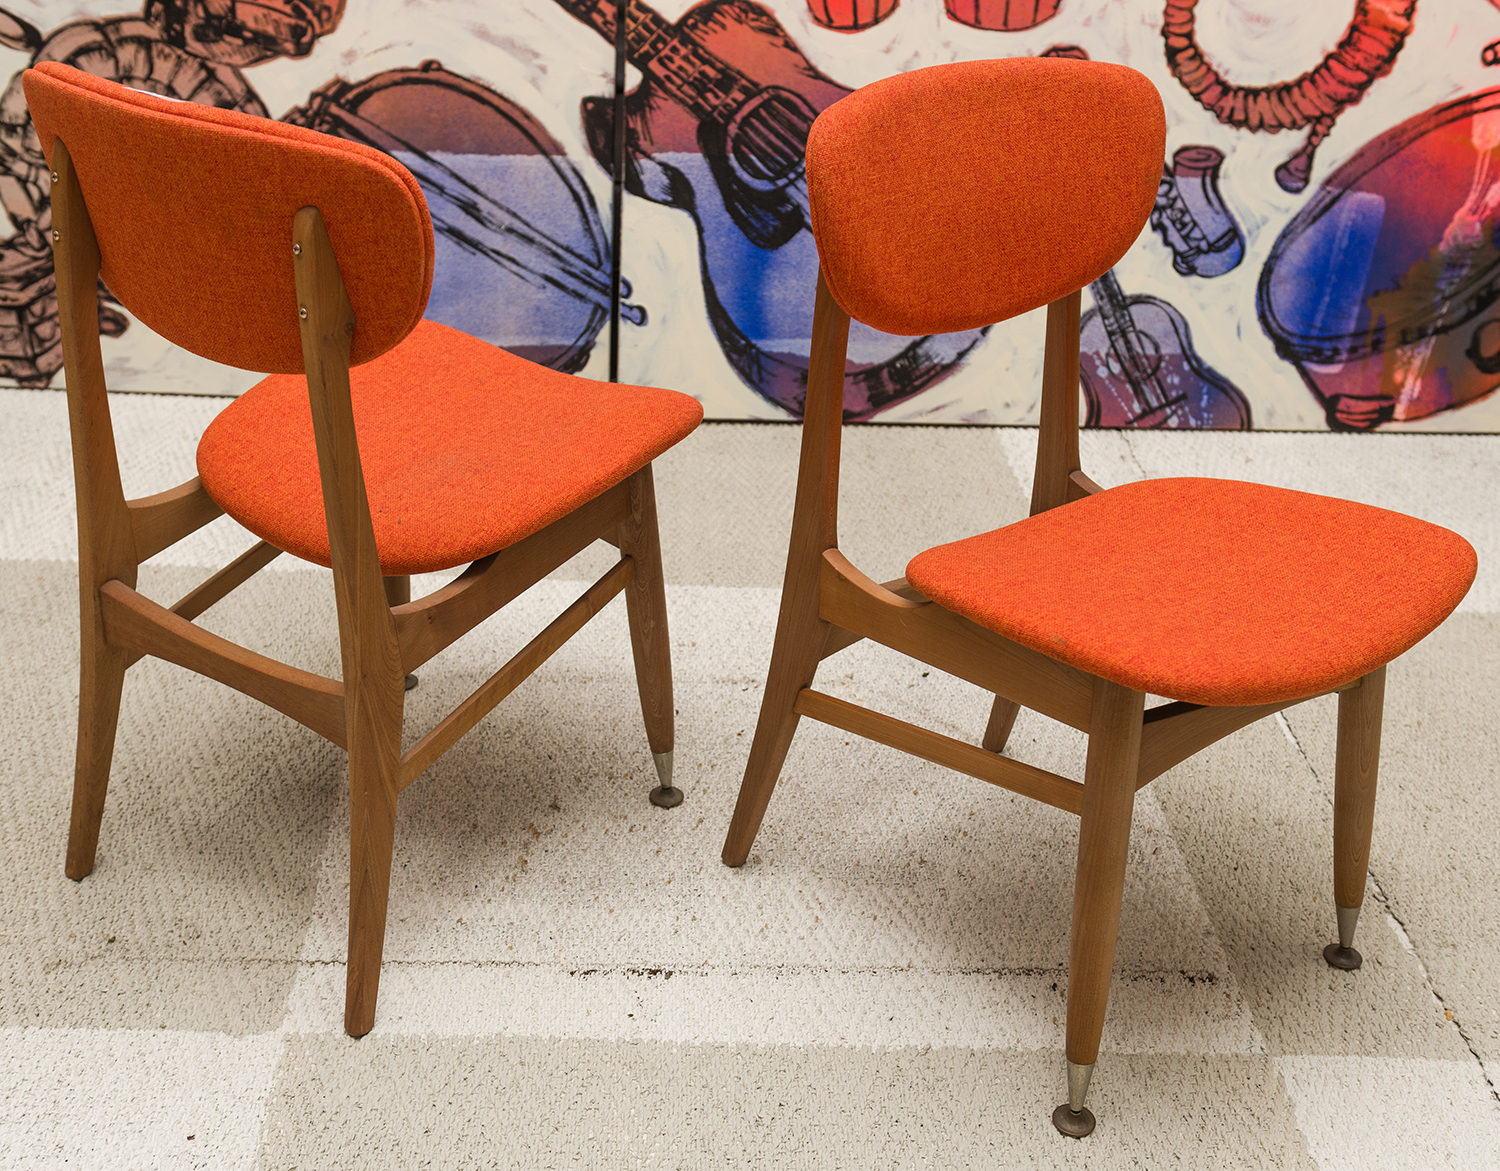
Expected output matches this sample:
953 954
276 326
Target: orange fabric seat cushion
1209 591
466 450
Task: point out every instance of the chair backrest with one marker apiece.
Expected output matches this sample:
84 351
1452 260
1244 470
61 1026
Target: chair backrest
192 207
957 196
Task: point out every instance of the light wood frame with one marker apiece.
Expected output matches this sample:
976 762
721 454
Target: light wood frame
383 635
828 604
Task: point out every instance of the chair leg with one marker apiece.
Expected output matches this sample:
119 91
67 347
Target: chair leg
650 644
795 655
1103 844
1355 773
398 593
374 761
1003 714
100 682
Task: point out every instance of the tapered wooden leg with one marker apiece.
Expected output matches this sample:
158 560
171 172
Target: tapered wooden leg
374 759
646 608
800 634
100 681
1355 774
1003 714
1103 843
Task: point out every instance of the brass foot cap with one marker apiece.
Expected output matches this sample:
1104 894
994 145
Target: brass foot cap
1073 1123
1345 958
666 797
411 682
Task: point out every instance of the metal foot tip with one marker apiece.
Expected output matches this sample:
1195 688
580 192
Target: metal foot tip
1348 921
1073 1123
666 797
1343 958
411 682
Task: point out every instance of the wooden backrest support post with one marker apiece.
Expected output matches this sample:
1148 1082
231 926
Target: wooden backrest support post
106 544
1057 441
815 516
366 627
815 522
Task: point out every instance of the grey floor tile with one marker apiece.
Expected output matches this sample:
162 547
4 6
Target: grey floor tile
525 1102
133 1098
238 997
1436 850
1256 828
217 808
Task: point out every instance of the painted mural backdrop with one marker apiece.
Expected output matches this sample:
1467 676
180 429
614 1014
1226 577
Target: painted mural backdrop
1322 252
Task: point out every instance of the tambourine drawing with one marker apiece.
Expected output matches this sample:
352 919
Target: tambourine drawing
522 257
1385 289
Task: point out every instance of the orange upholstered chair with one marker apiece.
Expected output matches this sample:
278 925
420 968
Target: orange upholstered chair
381 445
957 196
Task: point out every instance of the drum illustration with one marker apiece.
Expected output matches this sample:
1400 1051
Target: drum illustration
522 257
850 16
1383 289
1011 16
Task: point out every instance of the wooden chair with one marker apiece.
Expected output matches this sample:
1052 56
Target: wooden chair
953 197
381 445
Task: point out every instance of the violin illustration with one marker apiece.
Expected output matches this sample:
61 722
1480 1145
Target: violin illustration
718 128
522 257
1139 368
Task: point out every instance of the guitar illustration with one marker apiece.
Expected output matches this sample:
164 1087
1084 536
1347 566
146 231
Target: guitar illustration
718 128
1139 368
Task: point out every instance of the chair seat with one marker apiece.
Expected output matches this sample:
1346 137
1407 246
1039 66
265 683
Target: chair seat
466 450
1210 591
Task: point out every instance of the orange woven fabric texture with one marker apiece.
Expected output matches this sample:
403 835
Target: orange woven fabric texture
193 206
956 196
466 449
1209 591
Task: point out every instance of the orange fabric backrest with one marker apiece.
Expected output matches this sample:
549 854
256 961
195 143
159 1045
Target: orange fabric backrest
954 197
193 206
